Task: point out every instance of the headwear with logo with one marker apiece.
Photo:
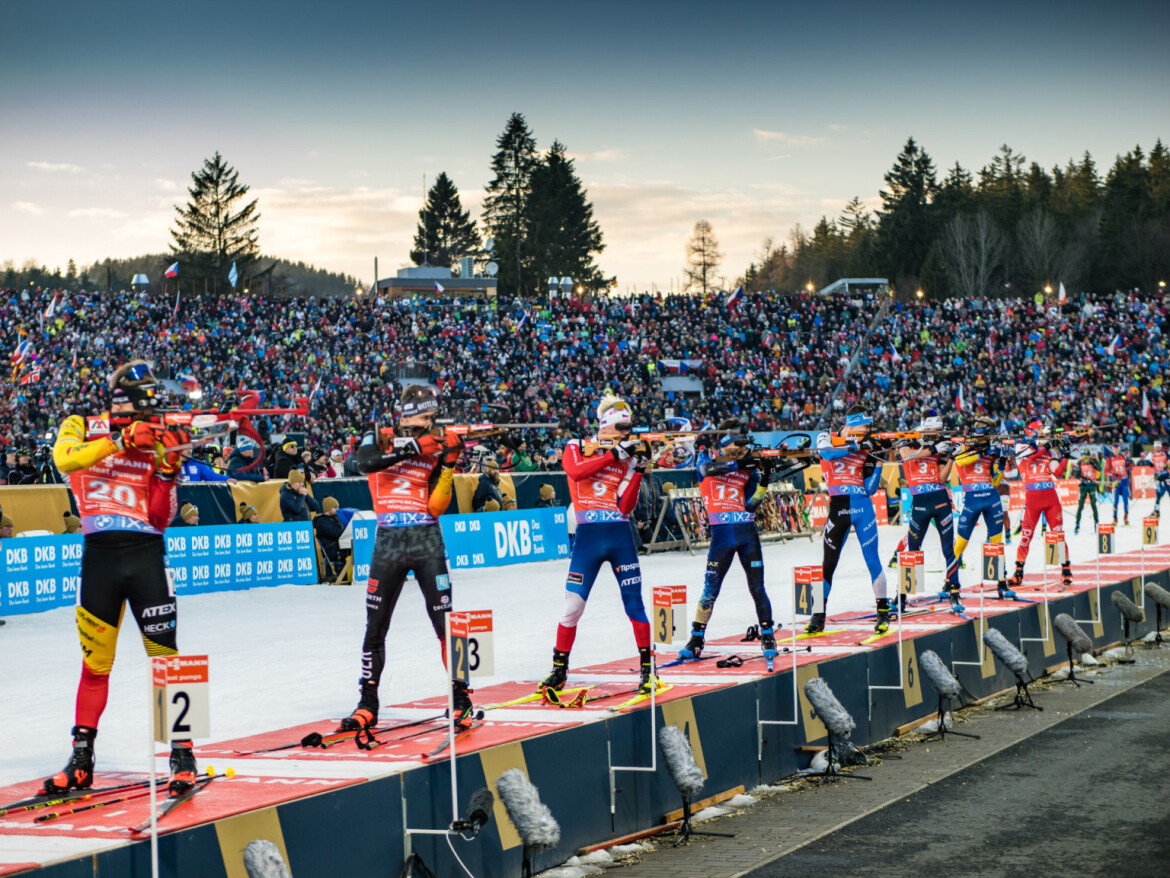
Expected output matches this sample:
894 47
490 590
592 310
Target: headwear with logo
189 511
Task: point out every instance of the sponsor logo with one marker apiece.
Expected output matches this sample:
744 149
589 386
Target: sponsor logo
575 579
372 587
631 580
160 610
442 582
757 563
627 567
159 627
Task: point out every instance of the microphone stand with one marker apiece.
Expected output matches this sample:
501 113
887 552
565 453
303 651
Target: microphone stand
943 730
830 772
1023 696
1072 674
1129 659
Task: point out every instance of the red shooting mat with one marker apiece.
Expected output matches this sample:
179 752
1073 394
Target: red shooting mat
615 692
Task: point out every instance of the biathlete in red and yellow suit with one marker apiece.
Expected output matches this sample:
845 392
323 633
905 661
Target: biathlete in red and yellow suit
122 473
410 482
1039 460
603 484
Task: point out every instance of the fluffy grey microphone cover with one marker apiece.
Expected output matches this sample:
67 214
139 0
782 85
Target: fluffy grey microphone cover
1126 607
941 679
1010 657
1073 633
835 717
1160 596
262 859
531 817
688 777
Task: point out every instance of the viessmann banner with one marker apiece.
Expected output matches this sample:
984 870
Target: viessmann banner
40 573
487 539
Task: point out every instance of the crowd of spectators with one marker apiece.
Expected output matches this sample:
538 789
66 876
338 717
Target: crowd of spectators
774 360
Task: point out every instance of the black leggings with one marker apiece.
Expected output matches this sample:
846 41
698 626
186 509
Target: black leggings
397 551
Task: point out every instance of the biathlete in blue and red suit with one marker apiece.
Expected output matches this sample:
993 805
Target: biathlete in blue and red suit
733 485
604 476
1118 468
980 463
851 473
1161 476
410 475
1039 460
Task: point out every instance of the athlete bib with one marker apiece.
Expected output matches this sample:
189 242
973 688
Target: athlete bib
725 499
922 474
977 475
401 492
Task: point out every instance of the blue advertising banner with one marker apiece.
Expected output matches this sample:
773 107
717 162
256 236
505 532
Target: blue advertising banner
487 539
40 573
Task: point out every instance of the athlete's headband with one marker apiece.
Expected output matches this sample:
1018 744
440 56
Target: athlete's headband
613 417
413 407
858 420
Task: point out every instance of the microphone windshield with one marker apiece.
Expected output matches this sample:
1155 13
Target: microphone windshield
1126 607
676 749
941 679
531 817
828 709
1072 632
479 810
1010 657
1160 596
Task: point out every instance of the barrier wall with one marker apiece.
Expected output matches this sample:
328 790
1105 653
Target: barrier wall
489 539
41 573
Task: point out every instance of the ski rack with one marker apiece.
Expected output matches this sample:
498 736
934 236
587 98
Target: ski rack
990 551
1058 542
653 767
809 576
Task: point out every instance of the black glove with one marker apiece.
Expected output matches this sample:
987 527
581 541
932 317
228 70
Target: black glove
509 441
868 445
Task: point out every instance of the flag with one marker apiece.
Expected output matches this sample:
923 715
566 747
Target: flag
1145 405
1114 345
74 359
31 377
897 358
959 404
175 315
736 296
1063 296
233 275
173 271
51 309
317 386
439 287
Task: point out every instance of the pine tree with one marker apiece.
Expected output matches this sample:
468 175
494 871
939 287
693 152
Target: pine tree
563 235
702 257
445 230
216 228
905 223
505 207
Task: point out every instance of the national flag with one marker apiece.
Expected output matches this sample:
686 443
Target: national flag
233 275
1145 405
1114 345
1062 294
175 314
439 288
173 271
51 309
317 386
959 404
735 297
74 358
897 357
23 352
31 377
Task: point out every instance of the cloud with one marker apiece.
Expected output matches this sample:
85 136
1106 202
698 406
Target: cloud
49 166
601 155
838 128
96 212
166 185
294 183
763 136
28 207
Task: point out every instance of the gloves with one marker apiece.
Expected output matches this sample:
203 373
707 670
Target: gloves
137 434
171 440
453 450
424 446
867 445
944 448
626 449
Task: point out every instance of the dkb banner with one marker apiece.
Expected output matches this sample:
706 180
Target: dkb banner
488 539
40 573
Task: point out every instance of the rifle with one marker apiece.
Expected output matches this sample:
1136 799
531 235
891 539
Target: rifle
491 426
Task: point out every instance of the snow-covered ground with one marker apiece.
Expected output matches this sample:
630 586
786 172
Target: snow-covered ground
289 655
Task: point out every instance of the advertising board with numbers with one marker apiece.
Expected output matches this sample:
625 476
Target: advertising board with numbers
487 539
41 573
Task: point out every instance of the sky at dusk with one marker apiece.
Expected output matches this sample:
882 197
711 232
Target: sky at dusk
754 116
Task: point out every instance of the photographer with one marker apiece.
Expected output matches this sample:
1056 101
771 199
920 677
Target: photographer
24 473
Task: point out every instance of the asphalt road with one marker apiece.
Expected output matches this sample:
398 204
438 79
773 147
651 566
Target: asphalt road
1089 796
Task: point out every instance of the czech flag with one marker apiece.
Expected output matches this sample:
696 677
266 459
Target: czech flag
173 271
439 287
736 297
1114 345
959 404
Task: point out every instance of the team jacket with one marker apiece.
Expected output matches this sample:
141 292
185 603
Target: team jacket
844 469
1038 468
1117 466
729 493
602 487
115 490
979 472
922 474
413 491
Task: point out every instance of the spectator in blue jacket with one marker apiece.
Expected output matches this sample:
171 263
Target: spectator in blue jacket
243 456
295 500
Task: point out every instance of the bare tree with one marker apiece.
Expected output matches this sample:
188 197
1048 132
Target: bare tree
973 249
702 257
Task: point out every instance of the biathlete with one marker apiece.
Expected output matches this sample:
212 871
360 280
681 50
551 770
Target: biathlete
1039 459
410 473
1117 467
122 472
927 469
852 476
1161 475
980 465
605 474
1090 474
733 485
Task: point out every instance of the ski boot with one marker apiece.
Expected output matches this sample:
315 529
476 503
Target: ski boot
893 561
883 616
649 681
768 640
1127 519
183 770
1076 528
1065 575
952 593
78 772
464 710
694 647
816 624
555 681
366 712
1005 593
1017 578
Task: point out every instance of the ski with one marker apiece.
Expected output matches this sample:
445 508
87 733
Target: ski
639 698
460 734
169 805
537 696
875 637
90 806
688 661
46 800
324 741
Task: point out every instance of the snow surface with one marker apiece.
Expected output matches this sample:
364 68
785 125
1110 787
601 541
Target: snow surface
289 655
